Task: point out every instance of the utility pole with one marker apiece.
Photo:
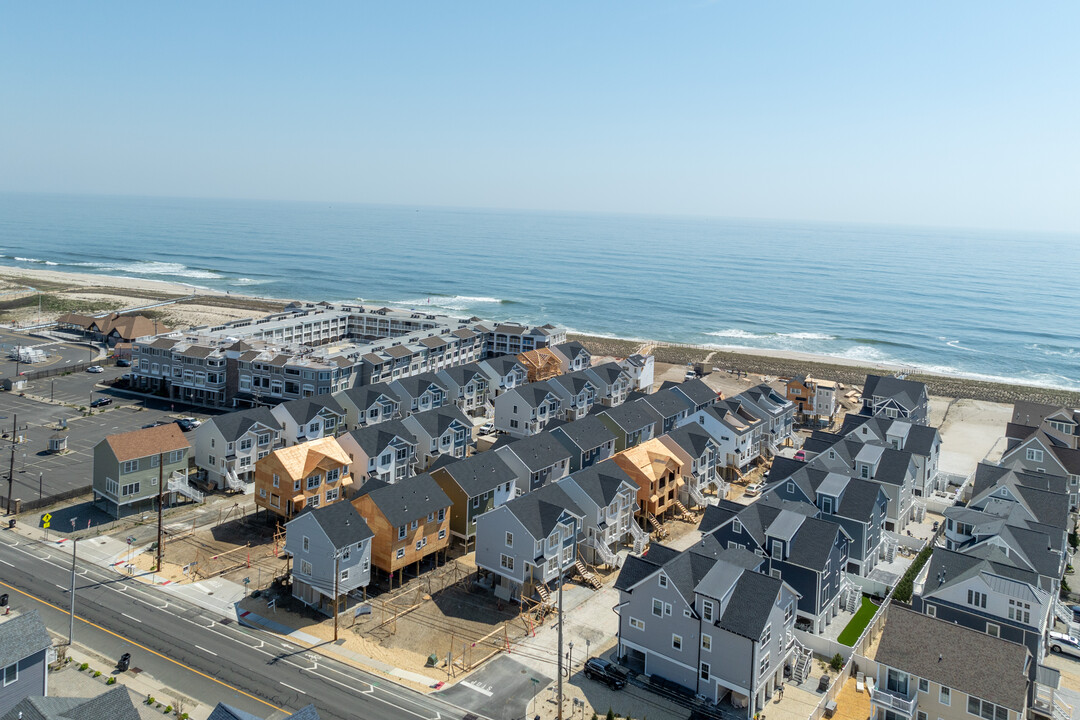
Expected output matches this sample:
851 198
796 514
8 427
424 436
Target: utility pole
160 499
40 486
561 571
336 576
11 464
71 626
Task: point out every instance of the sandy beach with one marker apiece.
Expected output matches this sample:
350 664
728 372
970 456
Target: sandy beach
21 290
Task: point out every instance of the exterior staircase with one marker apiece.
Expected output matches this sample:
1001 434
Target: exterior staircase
1063 613
659 529
603 551
590 579
542 591
681 509
696 495
178 483
804 661
233 481
889 550
918 511
854 596
638 536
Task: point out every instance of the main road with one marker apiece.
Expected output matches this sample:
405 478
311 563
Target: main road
194 651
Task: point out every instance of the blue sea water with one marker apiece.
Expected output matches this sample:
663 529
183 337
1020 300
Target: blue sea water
994 305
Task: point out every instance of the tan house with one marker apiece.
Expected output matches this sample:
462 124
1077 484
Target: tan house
542 364
410 519
312 474
659 473
112 328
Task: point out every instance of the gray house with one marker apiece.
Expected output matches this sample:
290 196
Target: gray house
503 373
228 446
612 383
475 484
420 393
589 441
369 404
633 423
467 387
922 441
708 619
227 712
776 410
529 542
697 392
701 453
673 407
443 431
607 497
113 704
129 466
309 419
386 451
323 542
536 460
578 392
895 397
24 648
527 409
572 356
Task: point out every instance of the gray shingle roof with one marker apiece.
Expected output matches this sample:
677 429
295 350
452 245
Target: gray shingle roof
697 391
373 439
342 524
585 434
965 660
234 424
304 410
538 451
909 393
571 349
417 385
633 416
435 422
477 474
574 382
668 404
113 704
503 364
364 396
608 372
535 393
602 482
21 637
751 603
693 439
406 500
539 511
462 374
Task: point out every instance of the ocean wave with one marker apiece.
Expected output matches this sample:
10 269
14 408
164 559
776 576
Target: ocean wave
747 335
737 333
806 336
451 302
152 267
249 281
36 261
1067 352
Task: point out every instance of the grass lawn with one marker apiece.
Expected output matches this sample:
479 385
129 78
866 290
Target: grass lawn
862 618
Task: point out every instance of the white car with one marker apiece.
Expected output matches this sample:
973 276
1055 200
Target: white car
193 421
1064 644
753 490
486 429
95 369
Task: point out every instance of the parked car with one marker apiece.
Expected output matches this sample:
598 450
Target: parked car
1076 613
95 369
101 402
1064 644
122 362
193 421
605 672
186 425
155 424
486 429
800 455
753 490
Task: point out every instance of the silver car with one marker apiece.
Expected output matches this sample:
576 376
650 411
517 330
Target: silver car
1064 644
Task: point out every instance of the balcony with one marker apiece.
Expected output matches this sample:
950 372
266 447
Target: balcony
897 702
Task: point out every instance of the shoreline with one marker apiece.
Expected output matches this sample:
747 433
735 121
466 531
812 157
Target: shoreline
211 306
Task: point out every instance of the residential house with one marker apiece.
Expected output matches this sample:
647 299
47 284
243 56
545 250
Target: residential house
777 412
228 446
612 383
1045 438
816 403
736 431
930 668
513 338
369 404
697 392
410 519
467 387
577 390
708 619
895 398
542 364
331 555
529 542
606 496
922 441
312 418
808 553
113 704
130 467
573 356
658 473
503 373
443 431
633 423
589 441
475 485
701 454
386 451
536 460
421 392
24 655
527 409
673 408
311 474
227 712
640 370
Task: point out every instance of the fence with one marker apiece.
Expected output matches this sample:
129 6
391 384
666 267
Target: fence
61 370
47 500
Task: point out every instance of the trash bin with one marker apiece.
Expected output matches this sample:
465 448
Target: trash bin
125 662
11 523
3 600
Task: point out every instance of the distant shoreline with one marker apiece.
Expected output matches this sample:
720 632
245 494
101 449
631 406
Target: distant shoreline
214 307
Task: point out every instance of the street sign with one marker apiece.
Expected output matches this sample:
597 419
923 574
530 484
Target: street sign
247 580
46 517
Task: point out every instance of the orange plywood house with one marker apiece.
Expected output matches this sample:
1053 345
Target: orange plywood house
312 474
658 472
542 364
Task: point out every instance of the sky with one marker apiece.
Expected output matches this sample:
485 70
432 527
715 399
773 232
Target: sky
928 113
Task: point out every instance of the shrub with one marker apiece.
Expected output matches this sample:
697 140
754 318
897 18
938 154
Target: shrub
168 709
111 681
610 714
906 586
1065 589
149 699
82 668
97 673
837 662
1074 539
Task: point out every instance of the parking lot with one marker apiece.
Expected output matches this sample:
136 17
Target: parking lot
58 354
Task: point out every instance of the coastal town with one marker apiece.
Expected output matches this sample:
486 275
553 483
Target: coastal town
399 513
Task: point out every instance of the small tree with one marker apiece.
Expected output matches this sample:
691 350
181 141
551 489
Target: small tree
1074 539
610 713
1065 589
837 662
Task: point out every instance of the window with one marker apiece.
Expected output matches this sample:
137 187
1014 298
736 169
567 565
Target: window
1034 455
506 562
344 575
415 524
332 476
985 710
419 544
332 494
264 439
400 553
924 685
245 444
401 532
1020 611
509 539
130 489
705 672
442 514
296 485
211 460
314 501
130 466
11 673
920 715
313 481
976 598
945 696
993 630
476 501
766 636
931 610
663 580
262 492
277 480
442 534
657 608
763 666
306 544
707 610
896 681
736 526
305 568
676 642
706 642
637 624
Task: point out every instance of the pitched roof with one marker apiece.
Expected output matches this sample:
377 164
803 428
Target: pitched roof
751 602
114 704
668 404
304 410
538 451
477 474
417 385
571 349
573 382
341 523
698 392
227 712
299 460
585 434
462 374
909 393
407 499
539 511
373 439
966 660
651 459
436 422
602 482
693 439
608 372
21 637
364 395
147 441
234 425
632 416
503 364
535 393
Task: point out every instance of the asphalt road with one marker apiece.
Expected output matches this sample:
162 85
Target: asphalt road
194 651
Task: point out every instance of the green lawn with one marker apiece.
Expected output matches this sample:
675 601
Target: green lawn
862 618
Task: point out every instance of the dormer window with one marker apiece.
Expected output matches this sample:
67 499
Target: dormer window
827 505
777 550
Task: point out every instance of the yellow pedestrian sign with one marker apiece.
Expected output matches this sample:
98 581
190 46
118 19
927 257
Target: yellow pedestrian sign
45 520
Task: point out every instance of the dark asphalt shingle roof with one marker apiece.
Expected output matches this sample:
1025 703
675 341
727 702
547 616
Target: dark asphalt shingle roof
632 416
574 382
571 349
406 500
536 393
697 391
751 603
634 570
364 396
585 434
436 422
608 372
504 364
966 660
21 637
668 404
417 385
341 523
477 474
539 511
113 704
538 451
304 410
373 439
693 439
602 482
463 374
909 393
233 425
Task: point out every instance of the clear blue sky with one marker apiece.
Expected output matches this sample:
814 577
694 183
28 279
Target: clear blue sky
937 113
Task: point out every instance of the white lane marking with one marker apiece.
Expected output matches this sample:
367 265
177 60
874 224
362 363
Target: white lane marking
206 651
477 688
293 688
6 563
131 618
60 586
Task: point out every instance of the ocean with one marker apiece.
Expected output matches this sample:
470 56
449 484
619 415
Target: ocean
991 305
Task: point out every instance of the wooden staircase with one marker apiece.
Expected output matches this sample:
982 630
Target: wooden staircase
542 591
684 514
590 579
660 530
